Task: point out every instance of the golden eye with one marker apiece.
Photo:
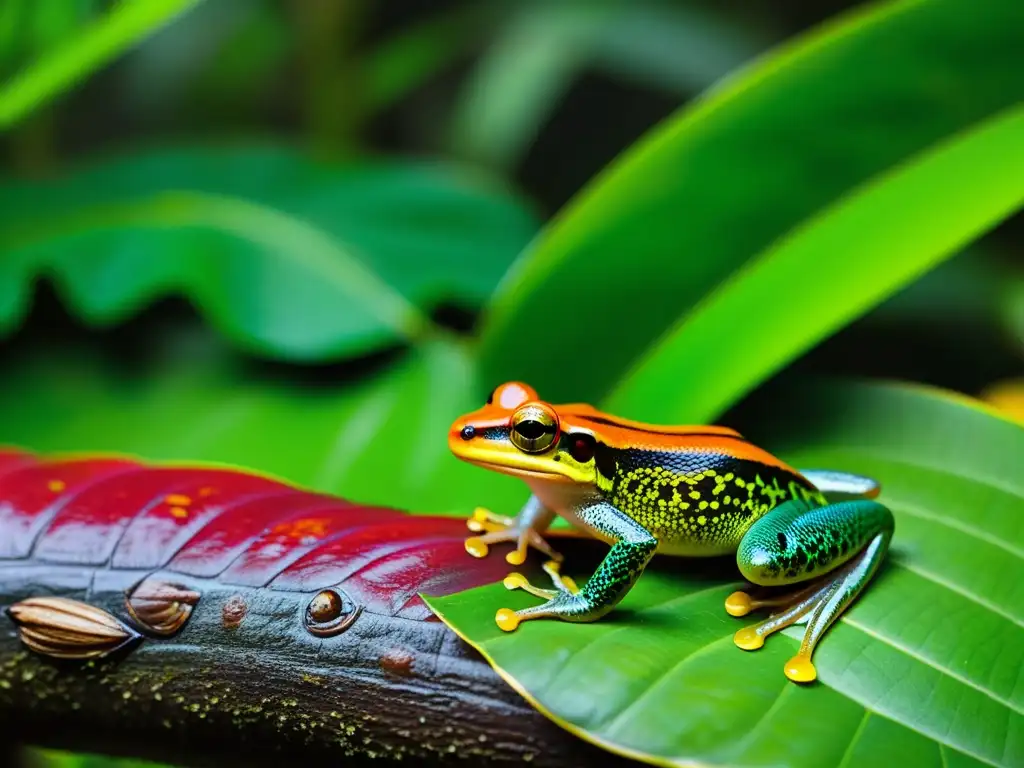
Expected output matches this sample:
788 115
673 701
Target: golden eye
534 428
329 613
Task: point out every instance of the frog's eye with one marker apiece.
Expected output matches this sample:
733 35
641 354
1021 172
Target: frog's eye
534 428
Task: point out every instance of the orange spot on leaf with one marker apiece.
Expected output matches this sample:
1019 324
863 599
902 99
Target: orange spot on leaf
56 485
179 513
178 500
204 492
315 527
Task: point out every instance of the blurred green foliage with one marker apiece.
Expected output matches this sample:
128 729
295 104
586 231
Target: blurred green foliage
319 225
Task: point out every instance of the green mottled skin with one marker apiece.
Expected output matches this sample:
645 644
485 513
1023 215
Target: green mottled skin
697 504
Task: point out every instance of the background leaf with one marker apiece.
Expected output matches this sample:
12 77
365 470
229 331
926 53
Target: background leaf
922 670
288 257
721 181
126 24
189 401
877 239
544 48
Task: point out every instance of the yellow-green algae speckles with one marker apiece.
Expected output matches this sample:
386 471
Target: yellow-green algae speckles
187 699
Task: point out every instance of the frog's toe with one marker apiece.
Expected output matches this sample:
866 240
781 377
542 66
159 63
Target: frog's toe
553 568
562 605
739 604
518 581
479 546
526 539
483 520
799 669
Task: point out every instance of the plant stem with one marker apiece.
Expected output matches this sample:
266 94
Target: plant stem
332 84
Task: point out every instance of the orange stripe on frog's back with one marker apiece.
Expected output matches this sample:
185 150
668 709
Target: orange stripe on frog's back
624 433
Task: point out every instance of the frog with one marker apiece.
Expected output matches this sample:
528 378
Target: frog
806 542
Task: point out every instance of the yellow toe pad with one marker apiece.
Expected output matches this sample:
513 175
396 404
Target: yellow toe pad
738 604
476 547
515 557
799 669
748 639
515 581
506 619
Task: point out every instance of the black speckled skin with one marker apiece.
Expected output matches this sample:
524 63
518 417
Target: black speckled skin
696 502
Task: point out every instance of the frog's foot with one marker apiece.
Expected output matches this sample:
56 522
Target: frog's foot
560 605
551 568
797 606
479 546
817 605
483 520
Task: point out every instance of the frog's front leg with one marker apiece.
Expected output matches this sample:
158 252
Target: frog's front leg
524 530
837 548
632 549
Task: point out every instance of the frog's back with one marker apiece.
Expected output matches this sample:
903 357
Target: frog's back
698 492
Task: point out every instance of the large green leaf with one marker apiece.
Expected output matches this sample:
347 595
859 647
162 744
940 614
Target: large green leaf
923 670
841 262
380 440
725 179
289 257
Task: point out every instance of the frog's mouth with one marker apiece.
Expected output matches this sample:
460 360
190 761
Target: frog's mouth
533 473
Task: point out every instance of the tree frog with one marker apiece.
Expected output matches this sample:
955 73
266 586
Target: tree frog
677 490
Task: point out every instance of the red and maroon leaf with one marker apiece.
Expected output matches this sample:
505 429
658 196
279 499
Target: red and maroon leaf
279 619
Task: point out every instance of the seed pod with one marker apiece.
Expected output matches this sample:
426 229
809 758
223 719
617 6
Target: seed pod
161 607
68 629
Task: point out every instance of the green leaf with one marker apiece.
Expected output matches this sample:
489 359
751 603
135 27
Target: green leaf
843 261
125 25
290 258
413 55
725 179
516 85
380 440
922 670
680 50
544 48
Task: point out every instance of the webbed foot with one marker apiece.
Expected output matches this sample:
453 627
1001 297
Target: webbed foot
499 530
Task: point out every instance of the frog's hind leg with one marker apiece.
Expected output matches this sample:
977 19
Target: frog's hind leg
633 548
832 551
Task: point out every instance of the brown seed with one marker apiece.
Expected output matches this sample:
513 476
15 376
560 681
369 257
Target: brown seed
161 607
68 629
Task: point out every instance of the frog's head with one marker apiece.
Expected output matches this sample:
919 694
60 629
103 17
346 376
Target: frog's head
517 433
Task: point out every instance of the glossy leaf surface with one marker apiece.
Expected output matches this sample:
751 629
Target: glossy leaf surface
845 260
237 527
719 183
290 258
922 670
